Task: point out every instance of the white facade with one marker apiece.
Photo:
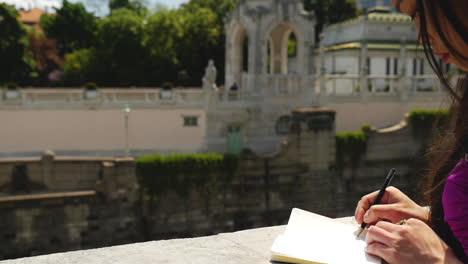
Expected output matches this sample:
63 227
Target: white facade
252 110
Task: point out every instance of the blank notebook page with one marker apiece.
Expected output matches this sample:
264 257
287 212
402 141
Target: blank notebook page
320 239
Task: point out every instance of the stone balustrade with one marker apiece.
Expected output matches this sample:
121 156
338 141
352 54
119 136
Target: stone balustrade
272 85
102 98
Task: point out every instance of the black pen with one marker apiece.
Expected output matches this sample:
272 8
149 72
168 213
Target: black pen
377 200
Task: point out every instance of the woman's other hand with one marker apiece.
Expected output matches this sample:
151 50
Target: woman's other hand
413 242
393 207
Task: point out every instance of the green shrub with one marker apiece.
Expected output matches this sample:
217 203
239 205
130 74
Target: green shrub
158 174
12 85
350 147
366 129
167 86
91 86
423 121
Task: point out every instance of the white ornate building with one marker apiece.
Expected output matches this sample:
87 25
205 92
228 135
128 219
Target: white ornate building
263 83
369 70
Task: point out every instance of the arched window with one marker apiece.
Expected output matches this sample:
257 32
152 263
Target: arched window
245 54
283 50
292 53
269 57
292 46
239 51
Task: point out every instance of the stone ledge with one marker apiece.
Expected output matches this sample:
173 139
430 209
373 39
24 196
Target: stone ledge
249 246
42 196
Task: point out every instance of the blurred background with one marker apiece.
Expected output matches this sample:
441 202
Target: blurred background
128 121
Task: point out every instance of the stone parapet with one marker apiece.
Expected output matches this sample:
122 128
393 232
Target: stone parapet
249 246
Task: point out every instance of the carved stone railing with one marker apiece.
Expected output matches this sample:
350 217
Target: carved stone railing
75 97
229 96
379 85
284 84
340 85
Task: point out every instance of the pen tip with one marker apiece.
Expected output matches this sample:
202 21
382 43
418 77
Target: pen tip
360 232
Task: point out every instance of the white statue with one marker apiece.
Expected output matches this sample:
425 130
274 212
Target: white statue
209 80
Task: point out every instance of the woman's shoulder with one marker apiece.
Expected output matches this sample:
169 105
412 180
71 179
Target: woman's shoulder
459 174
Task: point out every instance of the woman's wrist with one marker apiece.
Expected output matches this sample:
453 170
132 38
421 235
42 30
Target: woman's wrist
425 212
422 213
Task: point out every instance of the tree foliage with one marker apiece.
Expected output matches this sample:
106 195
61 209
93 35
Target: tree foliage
136 6
132 47
46 55
221 9
16 62
79 67
330 12
185 40
73 27
120 49
170 45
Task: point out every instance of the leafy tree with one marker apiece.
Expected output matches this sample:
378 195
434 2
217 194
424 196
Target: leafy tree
200 42
46 55
79 67
162 32
118 57
330 12
137 6
73 27
120 50
182 41
221 9
16 62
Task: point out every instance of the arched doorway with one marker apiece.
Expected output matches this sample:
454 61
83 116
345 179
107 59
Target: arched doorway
282 50
239 54
240 49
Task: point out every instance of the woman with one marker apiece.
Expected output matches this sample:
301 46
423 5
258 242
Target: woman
441 234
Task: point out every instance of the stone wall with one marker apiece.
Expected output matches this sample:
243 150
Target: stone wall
56 204
396 147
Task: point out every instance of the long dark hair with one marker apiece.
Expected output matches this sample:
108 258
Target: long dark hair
453 146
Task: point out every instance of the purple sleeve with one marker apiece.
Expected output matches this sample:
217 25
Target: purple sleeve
455 201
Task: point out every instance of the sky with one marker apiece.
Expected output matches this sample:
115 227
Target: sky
99 7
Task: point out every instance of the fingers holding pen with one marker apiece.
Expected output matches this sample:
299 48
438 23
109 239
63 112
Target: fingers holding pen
366 202
363 205
379 212
393 207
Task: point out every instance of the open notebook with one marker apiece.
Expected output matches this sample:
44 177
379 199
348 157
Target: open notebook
314 239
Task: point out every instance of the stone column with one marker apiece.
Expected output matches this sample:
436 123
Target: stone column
363 69
402 89
322 72
314 146
47 168
316 132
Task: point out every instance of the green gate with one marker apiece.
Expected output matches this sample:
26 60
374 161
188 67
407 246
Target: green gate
235 143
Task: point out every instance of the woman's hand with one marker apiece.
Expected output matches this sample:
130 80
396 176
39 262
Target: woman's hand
393 207
413 242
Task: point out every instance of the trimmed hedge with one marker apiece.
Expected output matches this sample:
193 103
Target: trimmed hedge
423 121
158 174
350 146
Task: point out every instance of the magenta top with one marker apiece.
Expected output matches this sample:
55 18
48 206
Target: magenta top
455 202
